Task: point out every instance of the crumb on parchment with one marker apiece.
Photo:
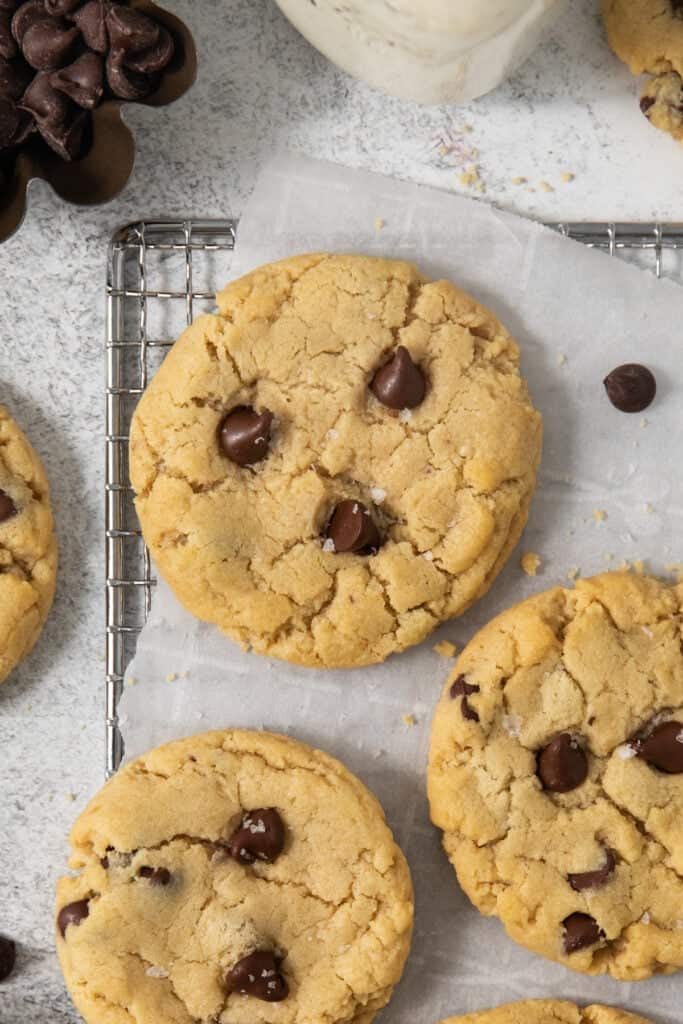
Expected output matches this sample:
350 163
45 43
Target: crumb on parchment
519 180
379 223
561 359
530 562
409 719
545 186
599 515
446 649
573 573
567 176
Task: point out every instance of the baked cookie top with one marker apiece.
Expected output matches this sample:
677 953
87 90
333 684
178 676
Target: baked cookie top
28 548
556 774
338 461
236 877
646 34
548 1011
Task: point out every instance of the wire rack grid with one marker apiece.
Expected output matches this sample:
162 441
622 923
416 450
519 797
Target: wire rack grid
160 275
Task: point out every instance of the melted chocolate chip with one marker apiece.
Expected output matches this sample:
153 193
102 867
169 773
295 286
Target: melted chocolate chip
645 103
663 748
129 30
82 81
7 506
127 84
580 931
261 836
47 104
8 46
27 15
594 879
155 876
8 956
72 913
59 8
352 529
631 387
91 20
461 688
245 435
562 765
258 975
400 383
155 58
48 43
68 140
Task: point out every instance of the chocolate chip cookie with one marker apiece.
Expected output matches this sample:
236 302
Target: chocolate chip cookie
648 36
548 1011
28 548
556 774
235 877
338 461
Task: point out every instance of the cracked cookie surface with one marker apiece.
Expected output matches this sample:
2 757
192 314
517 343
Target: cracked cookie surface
166 901
549 1011
28 548
545 774
447 483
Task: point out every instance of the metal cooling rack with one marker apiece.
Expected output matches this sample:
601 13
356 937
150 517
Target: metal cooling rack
160 275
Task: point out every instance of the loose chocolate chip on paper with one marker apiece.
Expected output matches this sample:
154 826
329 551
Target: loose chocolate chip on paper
82 81
48 44
352 529
7 506
400 383
154 59
258 975
245 435
27 15
155 876
130 31
562 764
663 748
126 84
8 956
72 913
631 387
91 20
594 879
261 836
580 932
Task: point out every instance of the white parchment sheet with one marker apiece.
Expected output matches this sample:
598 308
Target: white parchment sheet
576 314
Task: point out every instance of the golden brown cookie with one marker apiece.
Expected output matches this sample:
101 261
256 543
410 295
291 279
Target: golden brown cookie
234 877
556 774
549 1011
338 461
28 548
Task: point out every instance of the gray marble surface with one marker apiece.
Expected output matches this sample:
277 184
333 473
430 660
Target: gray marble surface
572 108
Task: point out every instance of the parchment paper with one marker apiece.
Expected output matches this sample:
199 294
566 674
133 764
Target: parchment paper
577 314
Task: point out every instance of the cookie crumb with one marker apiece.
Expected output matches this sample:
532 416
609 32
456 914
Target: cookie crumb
378 494
519 181
171 677
445 648
131 681
71 797
471 178
647 631
379 753
379 223
567 176
639 566
561 359
545 186
599 515
624 567
643 423
467 129
573 573
609 556
409 720
530 563
648 508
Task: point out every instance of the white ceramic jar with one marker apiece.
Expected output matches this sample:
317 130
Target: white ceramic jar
431 51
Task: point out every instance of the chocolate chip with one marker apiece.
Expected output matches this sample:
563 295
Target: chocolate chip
155 876
59 8
631 387
399 384
9 125
72 913
352 529
562 765
46 103
7 506
645 103
155 58
663 748
245 435
127 84
8 46
129 30
15 76
580 931
91 20
48 43
258 975
461 688
82 81
594 879
261 836
28 14
8 956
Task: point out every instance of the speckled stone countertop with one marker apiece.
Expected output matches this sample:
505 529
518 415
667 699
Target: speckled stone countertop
572 110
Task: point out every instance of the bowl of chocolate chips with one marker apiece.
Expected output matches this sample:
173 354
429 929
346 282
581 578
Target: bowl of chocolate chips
67 68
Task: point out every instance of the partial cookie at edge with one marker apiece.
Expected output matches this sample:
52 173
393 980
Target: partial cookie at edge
548 1011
